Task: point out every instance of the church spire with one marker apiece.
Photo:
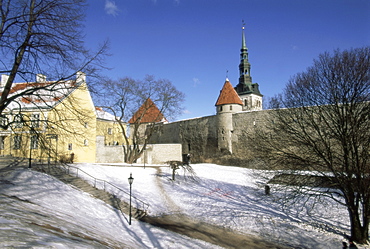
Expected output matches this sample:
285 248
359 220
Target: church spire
247 91
244 46
244 66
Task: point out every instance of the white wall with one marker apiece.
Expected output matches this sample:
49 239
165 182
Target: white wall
154 154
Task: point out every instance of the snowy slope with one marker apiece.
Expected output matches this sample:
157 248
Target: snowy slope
38 211
234 198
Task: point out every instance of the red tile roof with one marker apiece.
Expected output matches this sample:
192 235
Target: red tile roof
147 113
21 86
228 95
45 93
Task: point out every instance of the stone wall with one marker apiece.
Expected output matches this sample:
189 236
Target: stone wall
199 137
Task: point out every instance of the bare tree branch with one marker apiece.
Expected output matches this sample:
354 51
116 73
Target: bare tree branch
319 133
133 101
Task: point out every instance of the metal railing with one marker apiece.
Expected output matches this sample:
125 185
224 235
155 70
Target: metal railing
106 186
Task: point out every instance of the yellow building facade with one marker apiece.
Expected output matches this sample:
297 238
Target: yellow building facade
58 123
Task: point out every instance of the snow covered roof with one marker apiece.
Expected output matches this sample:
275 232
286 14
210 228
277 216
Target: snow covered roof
101 114
40 95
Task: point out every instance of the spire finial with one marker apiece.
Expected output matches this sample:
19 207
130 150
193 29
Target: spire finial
227 75
244 46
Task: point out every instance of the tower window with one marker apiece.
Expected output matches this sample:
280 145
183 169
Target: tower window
231 108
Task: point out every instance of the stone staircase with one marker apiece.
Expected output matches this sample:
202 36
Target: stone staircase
61 174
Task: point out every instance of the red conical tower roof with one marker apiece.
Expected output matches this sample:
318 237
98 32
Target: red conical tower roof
147 113
228 95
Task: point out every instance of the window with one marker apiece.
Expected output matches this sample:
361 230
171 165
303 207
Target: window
69 146
128 131
18 121
34 142
3 121
17 142
245 102
110 131
86 142
35 120
231 108
2 142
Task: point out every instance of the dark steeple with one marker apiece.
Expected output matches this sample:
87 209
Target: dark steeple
245 85
244 66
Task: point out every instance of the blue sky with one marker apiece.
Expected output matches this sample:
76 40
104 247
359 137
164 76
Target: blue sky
193 43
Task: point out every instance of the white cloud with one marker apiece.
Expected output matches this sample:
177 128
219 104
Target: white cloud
196 82
295 47
111 8
176 2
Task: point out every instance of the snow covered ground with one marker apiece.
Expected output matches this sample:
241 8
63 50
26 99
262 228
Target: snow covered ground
38 211
48 213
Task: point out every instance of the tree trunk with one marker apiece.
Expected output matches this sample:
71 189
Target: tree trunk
359 232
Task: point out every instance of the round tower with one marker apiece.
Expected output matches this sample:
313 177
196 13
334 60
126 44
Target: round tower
227 104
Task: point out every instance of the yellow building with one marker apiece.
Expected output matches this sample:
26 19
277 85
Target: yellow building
59 122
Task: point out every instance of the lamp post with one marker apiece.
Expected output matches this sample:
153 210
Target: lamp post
31 147
144 158
130 180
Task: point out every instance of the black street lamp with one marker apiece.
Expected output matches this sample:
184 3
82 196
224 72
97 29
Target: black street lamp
32 141
130 180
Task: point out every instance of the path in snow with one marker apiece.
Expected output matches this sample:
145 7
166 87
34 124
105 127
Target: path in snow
176 222
180 223
170 204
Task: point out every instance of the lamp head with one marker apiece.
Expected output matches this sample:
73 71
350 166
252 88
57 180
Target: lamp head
130 179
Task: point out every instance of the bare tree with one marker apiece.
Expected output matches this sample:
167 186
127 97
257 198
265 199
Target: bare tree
320 124
142 104
42 37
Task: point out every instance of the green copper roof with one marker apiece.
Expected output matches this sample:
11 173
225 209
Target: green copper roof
244 46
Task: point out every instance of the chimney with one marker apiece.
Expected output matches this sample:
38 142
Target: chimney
4 79
40 78
80 77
